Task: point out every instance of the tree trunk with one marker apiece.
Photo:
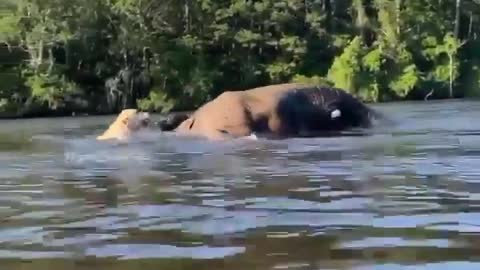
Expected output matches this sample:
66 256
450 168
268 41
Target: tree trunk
51 60
450 56
187 16
398 8
67 53
327 8
361 18
457 19
306 6
470 25
40 54
33 56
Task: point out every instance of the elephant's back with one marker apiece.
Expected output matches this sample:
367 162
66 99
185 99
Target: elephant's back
277 89
263 100
226 112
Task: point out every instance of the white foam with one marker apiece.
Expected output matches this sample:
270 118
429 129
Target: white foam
252 136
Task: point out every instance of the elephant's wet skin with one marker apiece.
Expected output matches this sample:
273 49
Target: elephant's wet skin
283 110
315 111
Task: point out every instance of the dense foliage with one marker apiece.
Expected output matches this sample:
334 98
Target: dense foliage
100 56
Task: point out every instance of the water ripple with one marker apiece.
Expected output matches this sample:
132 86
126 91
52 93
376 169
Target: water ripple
401 197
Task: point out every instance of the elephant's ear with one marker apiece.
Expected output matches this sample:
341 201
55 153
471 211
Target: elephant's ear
189 122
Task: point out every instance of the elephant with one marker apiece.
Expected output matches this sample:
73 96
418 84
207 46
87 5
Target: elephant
277 111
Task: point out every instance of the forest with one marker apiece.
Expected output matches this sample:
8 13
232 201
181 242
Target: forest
59 57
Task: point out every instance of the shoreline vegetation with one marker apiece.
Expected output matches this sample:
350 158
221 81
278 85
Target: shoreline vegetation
64 57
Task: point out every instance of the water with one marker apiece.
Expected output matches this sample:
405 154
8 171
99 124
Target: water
403 197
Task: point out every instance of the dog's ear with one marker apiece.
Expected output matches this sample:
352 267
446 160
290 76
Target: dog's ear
125 120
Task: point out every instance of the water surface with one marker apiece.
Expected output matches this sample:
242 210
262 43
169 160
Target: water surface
402 197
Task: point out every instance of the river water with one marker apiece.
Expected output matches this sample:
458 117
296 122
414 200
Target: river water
404 196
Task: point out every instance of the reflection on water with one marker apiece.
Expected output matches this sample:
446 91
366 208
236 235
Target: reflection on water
401 197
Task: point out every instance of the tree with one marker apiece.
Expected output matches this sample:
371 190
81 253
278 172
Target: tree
101 56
